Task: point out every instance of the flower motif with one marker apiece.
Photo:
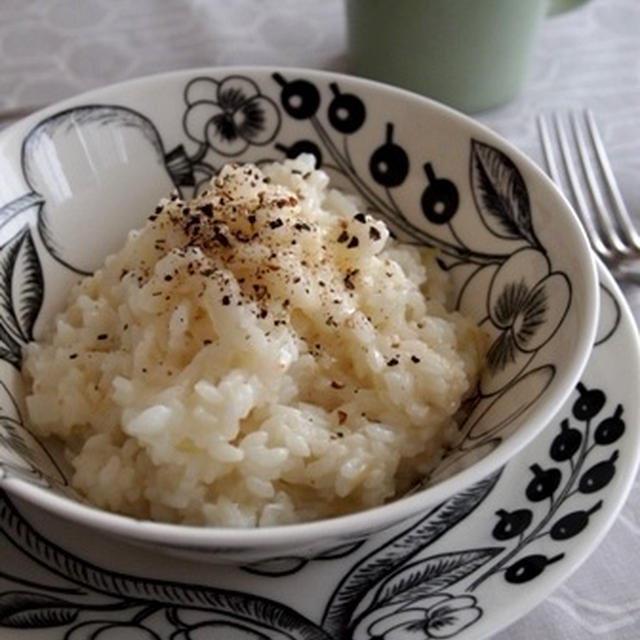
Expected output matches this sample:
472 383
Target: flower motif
526 305
436 616
229 115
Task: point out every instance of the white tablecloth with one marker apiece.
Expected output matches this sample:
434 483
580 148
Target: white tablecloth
51 49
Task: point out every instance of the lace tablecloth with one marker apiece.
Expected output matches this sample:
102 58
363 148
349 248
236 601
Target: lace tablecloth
588 57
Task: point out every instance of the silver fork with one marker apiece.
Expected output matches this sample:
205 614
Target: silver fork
592 187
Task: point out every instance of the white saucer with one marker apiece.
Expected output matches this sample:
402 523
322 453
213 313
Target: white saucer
463 571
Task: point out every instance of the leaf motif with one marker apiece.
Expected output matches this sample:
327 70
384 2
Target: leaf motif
429 576
500 194
27 285
9 328
24 610
21 289
10 349
377 565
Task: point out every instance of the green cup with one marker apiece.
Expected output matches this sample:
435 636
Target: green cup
469 54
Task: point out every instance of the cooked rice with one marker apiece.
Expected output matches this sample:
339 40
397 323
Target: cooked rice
263 354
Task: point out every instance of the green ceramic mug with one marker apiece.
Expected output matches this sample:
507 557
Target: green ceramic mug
470 54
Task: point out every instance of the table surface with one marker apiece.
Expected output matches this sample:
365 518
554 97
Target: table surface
589 57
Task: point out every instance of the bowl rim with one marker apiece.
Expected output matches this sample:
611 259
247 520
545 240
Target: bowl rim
361 523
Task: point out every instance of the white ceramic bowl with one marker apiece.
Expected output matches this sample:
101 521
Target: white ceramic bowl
74 178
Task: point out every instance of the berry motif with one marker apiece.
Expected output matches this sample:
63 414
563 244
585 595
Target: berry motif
589 403
299 98
598 476
610 429
573 523
440 199
389 163
511 523
566 443
544 484
347 112
529 567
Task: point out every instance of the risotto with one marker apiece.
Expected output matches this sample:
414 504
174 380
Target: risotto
262 354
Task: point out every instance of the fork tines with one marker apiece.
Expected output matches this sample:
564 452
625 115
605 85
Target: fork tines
577 162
